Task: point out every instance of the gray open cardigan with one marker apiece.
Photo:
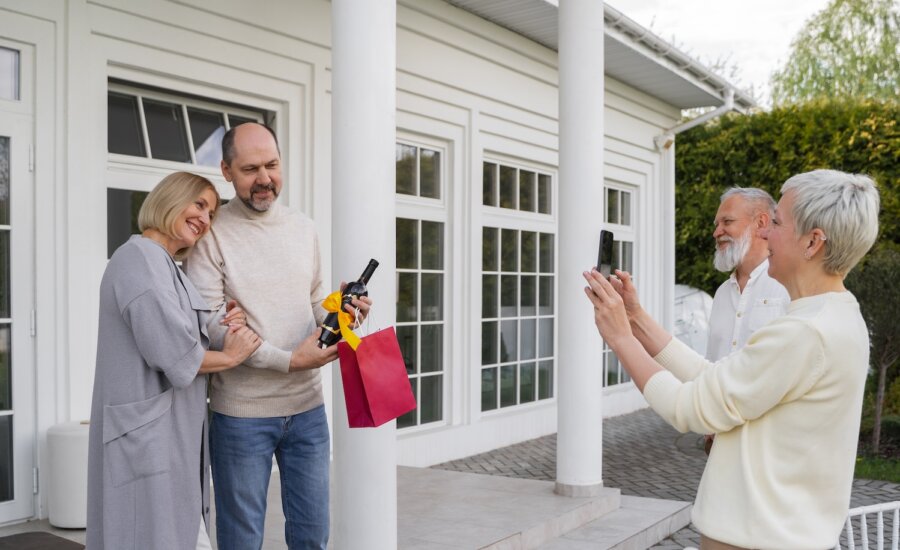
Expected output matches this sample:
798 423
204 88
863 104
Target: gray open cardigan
148 458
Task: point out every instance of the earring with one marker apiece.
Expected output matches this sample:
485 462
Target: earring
807 255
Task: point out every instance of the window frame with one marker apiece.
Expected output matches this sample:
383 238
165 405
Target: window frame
622 233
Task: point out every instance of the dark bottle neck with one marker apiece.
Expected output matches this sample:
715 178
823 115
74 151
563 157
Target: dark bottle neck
367 273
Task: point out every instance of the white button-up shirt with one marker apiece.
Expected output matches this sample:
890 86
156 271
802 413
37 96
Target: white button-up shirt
736 315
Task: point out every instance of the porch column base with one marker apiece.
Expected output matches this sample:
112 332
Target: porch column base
566 490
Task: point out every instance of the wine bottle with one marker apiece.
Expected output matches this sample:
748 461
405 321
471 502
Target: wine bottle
331 331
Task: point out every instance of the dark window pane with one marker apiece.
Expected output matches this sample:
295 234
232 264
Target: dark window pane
509 340
509 295
528 296
7 477
431 402
545 379
508 383
5 261
237 120
5 369
617 255
507 187
528 339
543 193
628 257
529 251
546 251
432 348
207 129
123 126
4 180
526 191
509 250
545 296
432 245
407 299
406 336
489 184
489 248
489 343
429 174
612 206
488 389
406 169
489 296
626 208
122 208
409 419
407 243
432 297
612 368
165 127
9 74
545 337
527 382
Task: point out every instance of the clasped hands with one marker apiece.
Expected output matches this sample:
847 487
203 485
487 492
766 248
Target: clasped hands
308 355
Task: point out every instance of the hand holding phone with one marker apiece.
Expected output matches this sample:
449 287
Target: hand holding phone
605 255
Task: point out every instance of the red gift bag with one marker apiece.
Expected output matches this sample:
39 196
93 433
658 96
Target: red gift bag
376 387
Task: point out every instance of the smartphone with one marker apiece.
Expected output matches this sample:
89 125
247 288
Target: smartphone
605 256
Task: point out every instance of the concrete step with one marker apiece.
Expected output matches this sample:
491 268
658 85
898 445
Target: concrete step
638 524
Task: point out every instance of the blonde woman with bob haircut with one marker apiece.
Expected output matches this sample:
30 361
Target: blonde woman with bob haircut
148 481
786 408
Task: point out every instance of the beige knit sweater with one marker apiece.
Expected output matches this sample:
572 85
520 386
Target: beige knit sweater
268 262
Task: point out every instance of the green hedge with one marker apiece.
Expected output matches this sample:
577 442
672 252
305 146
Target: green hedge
763 150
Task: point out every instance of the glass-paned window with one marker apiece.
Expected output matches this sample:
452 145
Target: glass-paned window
421 280
160 127
515 188
418 171
9 74
517 317
618 217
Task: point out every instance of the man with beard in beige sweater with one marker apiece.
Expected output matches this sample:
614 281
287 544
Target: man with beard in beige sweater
266 256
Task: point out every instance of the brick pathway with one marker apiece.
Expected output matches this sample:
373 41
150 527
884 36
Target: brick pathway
643 456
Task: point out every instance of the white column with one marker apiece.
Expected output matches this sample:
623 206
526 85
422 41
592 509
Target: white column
579 446
363 134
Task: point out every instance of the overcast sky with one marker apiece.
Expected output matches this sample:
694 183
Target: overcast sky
756 36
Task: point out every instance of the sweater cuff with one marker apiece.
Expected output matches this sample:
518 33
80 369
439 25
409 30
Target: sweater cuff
268 356
679 359
661 392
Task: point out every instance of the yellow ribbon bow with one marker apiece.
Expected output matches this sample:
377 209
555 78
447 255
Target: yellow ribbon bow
333 304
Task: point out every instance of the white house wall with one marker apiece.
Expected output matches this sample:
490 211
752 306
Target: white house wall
464 82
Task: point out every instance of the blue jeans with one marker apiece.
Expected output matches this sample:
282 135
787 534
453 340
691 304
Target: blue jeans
241 452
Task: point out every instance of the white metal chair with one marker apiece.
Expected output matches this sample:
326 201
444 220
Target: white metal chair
860 517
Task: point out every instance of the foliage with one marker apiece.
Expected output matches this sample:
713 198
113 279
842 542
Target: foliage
763 150
849 49
884 469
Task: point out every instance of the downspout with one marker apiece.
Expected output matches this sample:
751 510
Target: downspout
665 145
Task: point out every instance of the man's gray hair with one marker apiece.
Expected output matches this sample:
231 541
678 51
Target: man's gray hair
759 198
844 206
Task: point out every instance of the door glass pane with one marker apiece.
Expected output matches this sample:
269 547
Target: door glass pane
529 291
432 245
509 295
509 340
528 339
407 299
489 184
545 379
6 458
9 74
122 208
432 297
508 385
407 243
529 251
4 180
406 336
489 249
432 348
5 381
488 389
545 299
409 419
429 174
123 126
406 169
546 337
507 187
509 250
546 250
5 291
488 296
489 343
527 383
165 126
207 129
543 194
431 402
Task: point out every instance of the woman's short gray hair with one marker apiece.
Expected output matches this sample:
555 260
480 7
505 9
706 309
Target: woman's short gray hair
844 206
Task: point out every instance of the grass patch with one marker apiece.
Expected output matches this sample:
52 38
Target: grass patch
873 467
